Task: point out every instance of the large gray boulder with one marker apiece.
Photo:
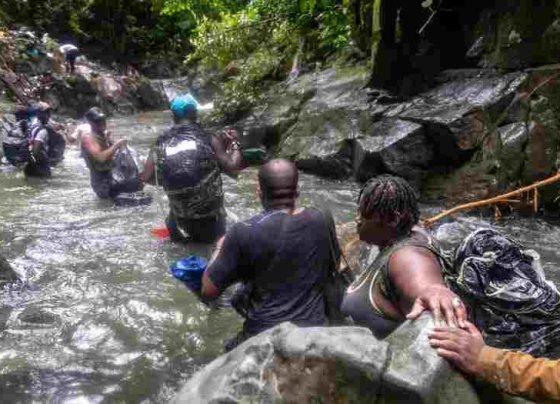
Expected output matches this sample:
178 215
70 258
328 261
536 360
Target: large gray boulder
115 94
393 146
327 124
334 115
455 113
342 364
312 120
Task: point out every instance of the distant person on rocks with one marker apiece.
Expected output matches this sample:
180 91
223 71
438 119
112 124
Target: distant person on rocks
98 151
408 269
47 145
516 373
188 162
70 53
282 256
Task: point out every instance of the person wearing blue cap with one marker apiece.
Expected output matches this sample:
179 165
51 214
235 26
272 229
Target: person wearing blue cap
187 162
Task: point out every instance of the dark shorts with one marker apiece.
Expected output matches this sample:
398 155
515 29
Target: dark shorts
33 169
207 230
71 55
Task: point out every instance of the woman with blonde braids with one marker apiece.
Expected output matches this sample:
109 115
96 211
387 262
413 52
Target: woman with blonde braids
406 277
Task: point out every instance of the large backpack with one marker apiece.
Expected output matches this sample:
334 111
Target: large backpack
186 157
15 144
508 297
56 144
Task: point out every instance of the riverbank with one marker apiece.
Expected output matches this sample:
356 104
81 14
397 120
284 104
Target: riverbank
32 69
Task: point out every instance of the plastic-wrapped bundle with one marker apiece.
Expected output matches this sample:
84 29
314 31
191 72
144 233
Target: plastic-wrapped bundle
57 146
509 298
125 175
15 145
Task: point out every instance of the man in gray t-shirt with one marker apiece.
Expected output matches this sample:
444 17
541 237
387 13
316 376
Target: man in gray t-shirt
38 165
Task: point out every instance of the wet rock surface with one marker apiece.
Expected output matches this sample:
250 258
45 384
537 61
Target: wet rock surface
460 140
395 146
343 364
75 94
32 316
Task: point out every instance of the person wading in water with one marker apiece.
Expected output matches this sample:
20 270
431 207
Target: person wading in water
188 163
98 150
282 256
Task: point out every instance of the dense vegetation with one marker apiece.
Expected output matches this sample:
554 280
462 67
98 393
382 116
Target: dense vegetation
248 41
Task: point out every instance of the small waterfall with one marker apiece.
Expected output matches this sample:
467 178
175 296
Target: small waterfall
178 86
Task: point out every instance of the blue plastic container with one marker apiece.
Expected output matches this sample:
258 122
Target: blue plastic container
189 270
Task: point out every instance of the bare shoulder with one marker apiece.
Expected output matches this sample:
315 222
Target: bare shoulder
413 258
88 140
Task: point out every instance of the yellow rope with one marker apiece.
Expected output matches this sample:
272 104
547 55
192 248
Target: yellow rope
497 199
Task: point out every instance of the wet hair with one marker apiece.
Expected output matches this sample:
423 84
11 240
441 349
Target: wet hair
21 113
95 115
278 180
387 196
190 115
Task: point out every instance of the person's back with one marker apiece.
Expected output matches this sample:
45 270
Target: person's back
285 257
281 256
189 172
40 134
188 162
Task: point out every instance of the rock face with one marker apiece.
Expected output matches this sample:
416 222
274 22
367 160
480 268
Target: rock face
475 133
518 34
330 365
75 94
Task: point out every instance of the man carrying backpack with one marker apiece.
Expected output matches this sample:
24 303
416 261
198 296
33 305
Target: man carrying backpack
188 163
47 146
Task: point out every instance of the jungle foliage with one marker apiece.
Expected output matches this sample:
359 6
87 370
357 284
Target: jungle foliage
248 41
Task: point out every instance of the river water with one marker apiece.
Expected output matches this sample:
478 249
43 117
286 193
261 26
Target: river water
97 317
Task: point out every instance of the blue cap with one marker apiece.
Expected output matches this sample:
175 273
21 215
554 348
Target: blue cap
183 104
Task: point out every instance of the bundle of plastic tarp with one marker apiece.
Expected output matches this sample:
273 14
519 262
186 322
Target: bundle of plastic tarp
508 297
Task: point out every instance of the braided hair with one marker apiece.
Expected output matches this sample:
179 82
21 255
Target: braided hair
386 196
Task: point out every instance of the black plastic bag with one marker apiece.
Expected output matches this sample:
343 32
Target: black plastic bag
57 146
509 299
125 175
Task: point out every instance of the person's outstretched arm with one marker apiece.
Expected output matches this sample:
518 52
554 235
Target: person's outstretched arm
230 163
223 268
417 277
515 373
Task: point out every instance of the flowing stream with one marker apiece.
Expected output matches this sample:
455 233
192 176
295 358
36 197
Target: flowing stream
97 317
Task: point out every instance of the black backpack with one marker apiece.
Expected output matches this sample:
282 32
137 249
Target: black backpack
56 144
509 299
186 157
